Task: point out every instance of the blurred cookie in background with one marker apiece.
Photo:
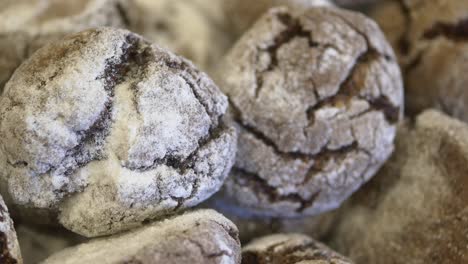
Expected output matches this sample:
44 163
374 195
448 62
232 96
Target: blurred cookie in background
430 39
195 29
26 25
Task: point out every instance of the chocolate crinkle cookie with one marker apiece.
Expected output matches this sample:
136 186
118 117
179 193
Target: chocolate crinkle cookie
316 96
9 247
105 131
26 25
289 249
431 41
415 209
199 237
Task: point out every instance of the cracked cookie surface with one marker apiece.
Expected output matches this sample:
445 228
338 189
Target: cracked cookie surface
316 96
108 131
198 237
430 39
9 247
289 249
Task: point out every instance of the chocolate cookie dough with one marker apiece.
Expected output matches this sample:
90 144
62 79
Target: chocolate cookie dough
199 237
9 248
290 249
431 41
316 96
106 131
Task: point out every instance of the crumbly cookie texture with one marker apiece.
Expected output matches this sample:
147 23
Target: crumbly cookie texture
431 41
9 247
38 242
242 14
199 237
316 96
195 29
27 25
289 249
107 131
414 210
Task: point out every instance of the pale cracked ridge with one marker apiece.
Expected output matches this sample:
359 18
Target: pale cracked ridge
306 145
113 133
202 236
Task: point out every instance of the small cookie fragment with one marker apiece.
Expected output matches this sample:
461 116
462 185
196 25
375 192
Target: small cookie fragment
27 25
316 96
198 237
415 210
194 29
9 248
430 39
289 249
106 131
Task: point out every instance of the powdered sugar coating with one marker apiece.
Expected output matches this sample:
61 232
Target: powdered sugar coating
199 237
316 95
9 247
110 131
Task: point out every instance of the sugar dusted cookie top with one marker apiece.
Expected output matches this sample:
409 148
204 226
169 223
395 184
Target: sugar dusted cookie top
316 95
110 131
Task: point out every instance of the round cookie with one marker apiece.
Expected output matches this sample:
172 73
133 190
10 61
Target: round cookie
316 96
198 237
106 131
27 25
430 39
289 249
10 251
